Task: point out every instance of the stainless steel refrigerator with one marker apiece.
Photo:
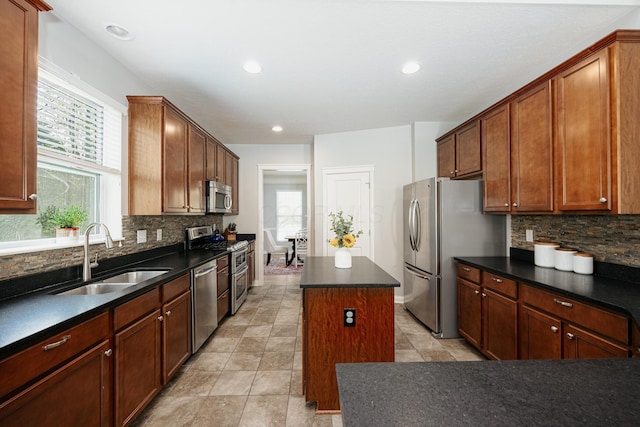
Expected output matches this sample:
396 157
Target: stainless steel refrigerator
444 219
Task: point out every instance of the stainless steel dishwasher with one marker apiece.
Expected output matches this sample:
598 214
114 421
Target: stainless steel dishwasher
204 303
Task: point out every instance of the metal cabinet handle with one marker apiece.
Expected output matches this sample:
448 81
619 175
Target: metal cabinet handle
484 295
506 205
570 335
168 313
108 352
57 343
33 197
603 200
554 329
476 292
160 318
515 205
562 303
467 269
496 280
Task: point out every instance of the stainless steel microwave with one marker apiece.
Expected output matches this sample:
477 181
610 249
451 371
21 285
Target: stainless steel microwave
218 197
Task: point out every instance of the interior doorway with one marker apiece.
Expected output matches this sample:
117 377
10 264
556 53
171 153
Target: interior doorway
284 200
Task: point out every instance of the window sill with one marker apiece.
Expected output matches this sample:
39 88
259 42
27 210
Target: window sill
50 245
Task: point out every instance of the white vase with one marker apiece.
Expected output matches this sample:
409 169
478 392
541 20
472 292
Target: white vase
67 235
343 258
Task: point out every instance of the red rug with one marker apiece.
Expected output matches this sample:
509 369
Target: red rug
280 268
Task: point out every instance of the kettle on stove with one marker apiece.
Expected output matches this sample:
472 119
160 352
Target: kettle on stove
217 237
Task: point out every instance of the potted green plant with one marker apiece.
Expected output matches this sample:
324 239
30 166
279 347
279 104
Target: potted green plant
66 222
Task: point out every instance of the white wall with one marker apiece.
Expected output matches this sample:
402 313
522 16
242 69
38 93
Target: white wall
389 150
424 147
71 50
252 155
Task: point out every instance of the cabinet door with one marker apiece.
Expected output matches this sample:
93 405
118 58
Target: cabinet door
251 263
540 335
175 163
77 394
196 170
532 151
447 157
234 186
18 84
138 365
221 159
468 150
580 344
583 153
176 338
469 312
496 160
210 169
499 326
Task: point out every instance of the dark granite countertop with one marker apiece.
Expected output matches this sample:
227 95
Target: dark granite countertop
603 392
320 272
27 319
618 295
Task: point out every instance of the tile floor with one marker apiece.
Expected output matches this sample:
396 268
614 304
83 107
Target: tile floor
249 372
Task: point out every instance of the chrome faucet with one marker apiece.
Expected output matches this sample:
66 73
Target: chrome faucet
86 267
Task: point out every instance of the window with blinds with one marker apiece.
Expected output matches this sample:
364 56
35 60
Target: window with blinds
79 155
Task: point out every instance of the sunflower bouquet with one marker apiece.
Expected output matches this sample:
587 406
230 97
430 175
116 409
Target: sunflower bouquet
343 229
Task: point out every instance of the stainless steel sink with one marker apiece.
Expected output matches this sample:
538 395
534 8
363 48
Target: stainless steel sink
133 276
116 283
97 289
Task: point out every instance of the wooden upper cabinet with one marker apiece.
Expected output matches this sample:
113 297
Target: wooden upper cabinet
18 84
468 150
532 151
447 157
583 155
197 157
235 164
170 158
459 153
495 136
174 163
221 160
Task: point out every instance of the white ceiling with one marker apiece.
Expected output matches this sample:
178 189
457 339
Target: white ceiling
334 65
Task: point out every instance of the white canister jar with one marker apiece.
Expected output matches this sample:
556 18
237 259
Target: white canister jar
543 254
583 263
563 258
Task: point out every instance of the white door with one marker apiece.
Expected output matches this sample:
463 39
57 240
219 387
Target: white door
349 190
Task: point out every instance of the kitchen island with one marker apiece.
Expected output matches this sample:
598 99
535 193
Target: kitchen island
348 316
493 393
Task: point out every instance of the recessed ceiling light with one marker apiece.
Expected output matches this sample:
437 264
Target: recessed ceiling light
252 67
277 128
119 32
411 68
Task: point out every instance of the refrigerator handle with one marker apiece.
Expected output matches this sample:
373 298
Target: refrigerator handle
416 272
410 224
418 219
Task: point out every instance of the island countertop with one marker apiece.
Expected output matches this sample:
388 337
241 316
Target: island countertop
493 393
320 272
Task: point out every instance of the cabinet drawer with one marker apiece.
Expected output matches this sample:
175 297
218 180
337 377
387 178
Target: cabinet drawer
29 364
606 323
176 287
472 274
222 262
136 308
500 284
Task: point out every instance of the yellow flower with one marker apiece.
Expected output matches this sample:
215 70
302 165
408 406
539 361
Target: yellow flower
348 240
334 242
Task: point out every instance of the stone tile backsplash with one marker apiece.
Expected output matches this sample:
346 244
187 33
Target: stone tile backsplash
610 238
173 226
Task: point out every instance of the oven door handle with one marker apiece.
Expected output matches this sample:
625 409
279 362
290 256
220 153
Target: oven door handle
242 271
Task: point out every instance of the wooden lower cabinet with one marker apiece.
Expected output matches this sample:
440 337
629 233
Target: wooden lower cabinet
251 263
176 334
469 312
326 340
540 335
77 394
138 376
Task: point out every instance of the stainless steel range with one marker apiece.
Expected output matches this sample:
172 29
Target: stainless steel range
200 238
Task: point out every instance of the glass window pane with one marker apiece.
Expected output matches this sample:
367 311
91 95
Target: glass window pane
288 213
